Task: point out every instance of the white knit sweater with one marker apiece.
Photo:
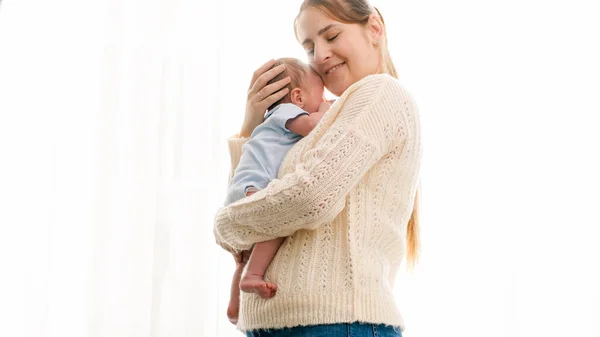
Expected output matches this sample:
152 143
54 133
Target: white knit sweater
343 198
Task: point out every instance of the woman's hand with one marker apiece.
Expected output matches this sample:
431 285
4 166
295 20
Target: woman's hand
239 257
261 95
242 257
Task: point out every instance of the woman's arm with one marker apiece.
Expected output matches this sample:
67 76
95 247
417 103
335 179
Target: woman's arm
235 144
373 119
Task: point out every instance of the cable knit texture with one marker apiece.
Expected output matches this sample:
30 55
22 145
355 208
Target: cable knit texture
343 197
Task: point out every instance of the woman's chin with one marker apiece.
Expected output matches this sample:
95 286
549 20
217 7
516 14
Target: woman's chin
337 88
336 84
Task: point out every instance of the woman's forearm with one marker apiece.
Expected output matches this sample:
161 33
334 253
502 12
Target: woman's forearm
246 132
248 127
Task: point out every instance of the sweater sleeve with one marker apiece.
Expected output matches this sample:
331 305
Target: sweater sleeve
371 121
235 144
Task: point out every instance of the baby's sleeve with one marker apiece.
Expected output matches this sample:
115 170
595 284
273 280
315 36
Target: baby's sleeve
235 144
284 112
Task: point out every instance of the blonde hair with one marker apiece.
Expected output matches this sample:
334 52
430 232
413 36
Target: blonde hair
296 70
359 11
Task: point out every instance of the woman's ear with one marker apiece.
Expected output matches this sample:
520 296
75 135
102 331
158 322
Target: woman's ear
375 28
296 97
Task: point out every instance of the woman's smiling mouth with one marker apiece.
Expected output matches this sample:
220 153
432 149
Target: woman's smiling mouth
334 68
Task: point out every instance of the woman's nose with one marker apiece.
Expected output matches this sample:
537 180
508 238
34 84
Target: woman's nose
322 53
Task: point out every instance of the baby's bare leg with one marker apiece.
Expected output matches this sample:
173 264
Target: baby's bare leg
234 298
262 255
234 295
260 258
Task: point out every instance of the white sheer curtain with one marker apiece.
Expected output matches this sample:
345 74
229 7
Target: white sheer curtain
114 117
123 165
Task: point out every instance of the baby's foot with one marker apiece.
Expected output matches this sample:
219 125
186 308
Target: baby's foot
256 284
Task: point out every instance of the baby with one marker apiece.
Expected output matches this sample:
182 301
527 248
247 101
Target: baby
286 122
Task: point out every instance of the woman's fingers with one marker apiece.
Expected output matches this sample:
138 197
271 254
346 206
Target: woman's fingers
273 87
261 71
274 97
237 257
261 95
263 79
246 256
242 257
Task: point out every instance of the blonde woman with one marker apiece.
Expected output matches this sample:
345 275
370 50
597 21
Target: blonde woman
346 197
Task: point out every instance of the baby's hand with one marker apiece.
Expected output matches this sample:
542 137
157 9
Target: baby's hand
323 107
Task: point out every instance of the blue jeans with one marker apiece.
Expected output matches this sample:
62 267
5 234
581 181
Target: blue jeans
331 330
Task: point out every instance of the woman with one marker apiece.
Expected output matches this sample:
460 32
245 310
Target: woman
346 194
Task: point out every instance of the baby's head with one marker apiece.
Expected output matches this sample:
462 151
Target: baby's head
305 88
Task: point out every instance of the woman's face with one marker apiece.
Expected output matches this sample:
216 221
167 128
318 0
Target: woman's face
340 53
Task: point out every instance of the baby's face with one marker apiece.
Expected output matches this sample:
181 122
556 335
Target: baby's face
314 92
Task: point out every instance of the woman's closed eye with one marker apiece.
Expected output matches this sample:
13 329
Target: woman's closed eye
311 51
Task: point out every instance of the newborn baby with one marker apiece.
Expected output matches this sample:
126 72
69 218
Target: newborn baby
286 122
